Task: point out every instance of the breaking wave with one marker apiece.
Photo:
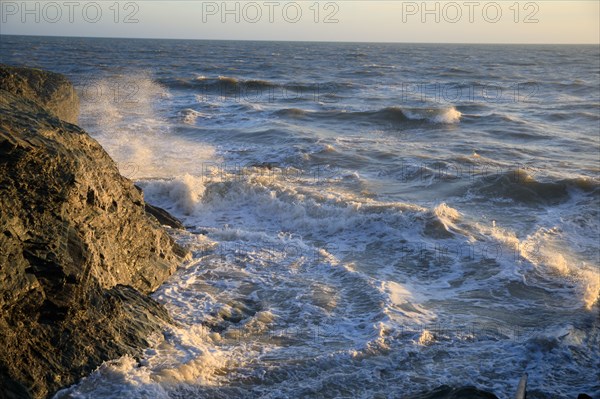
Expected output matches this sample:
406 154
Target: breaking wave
386 115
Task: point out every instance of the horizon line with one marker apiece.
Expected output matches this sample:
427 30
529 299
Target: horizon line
307 41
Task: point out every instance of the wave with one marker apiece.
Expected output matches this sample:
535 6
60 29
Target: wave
569 115
221 83
553 260
272 200
379 66
348 223
189 116
449 115
445 115
520 186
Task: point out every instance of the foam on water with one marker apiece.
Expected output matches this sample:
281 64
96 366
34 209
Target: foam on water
182 355
272 204
281 258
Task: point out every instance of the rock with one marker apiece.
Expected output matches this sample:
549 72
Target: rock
49 90
11 389
164 217
446 392
78 253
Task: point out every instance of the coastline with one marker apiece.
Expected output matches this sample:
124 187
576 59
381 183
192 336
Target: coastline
81 250
55 162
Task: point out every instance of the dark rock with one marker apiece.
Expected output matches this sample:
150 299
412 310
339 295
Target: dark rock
78 253
50 90
583 396
446 392
11 389
164 217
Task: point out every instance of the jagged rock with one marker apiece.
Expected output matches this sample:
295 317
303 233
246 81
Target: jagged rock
51 91
78 253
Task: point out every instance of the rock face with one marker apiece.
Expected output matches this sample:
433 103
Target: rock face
78 252
49 90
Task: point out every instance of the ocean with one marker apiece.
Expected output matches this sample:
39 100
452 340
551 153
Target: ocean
366 220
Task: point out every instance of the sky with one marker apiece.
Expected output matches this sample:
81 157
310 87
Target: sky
347 20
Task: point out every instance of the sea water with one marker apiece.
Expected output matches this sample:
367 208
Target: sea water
366 220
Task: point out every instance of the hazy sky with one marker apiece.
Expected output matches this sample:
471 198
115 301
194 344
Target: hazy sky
346 20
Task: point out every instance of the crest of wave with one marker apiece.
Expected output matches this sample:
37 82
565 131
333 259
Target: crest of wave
547 252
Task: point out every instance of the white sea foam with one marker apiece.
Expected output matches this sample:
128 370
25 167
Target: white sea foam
186 355
448 115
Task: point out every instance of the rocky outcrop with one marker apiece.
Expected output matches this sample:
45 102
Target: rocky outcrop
51 91
78 252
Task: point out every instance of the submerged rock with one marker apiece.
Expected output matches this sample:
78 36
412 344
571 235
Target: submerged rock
78 253
446 392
